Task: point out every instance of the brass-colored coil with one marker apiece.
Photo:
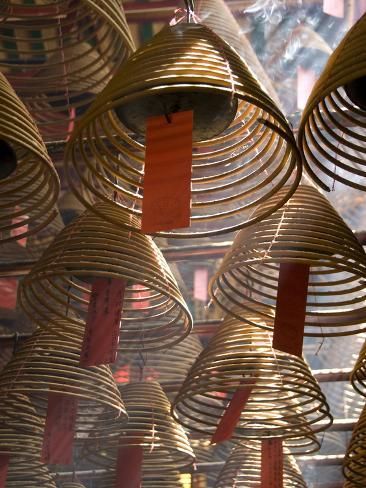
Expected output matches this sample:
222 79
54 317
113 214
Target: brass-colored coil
333 127
150 425
170 479
354 463
309 231
29 474
46 363
29 185
233 170
358 375
154 314
285 399
243 470
169 367
58 55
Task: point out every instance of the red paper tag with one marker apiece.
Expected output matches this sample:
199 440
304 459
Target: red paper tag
140 293
306 79
21 229
272 463
288 331
4 465
122 375
59 429
233 411
200 284
334 7
129 467
168 168
8 293
102 326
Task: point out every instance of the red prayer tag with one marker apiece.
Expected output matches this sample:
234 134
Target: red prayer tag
59 429
306 79
129 467
200 284
289 323
168 168
334 7
4 465
272 463
8 293
102 326
233 411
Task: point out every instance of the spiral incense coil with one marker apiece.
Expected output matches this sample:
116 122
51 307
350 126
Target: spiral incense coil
358 375
72 484
21 429
29 474
354 464
306 231
29 185
154 314
284 398
46 363
169 366
150 425
218 16
243 470
244 150
170 479
58 55
333 127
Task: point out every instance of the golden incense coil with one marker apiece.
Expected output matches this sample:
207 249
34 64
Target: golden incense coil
29 474
358 375
354 464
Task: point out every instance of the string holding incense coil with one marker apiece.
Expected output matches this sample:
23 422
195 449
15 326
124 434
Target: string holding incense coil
284 399
154 314
358 375
29 185
58 55
150 426
243 153
46 363
354 463
307 230
332 132
243 470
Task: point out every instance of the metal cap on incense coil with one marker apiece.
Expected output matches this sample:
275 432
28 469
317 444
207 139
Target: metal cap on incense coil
150 425
154 314
29 185
243 470
46 363
354 463
79 47
241 156
284 398
307 230
332 132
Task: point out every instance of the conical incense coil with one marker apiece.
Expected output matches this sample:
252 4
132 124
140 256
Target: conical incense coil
169 367
72 484
45 364
29 185
150 426
354 464
170 479
243 470
284 399
307 230
29 474
358 375
21 429
77 49
154 314
333 126
244 152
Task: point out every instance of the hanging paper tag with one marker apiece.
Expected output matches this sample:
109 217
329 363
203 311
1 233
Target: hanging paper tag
200 284
288 330
272 463
8 293
233 411
140 292
59 429
168 168
306 79
334 7
129 467
101 335
4 465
